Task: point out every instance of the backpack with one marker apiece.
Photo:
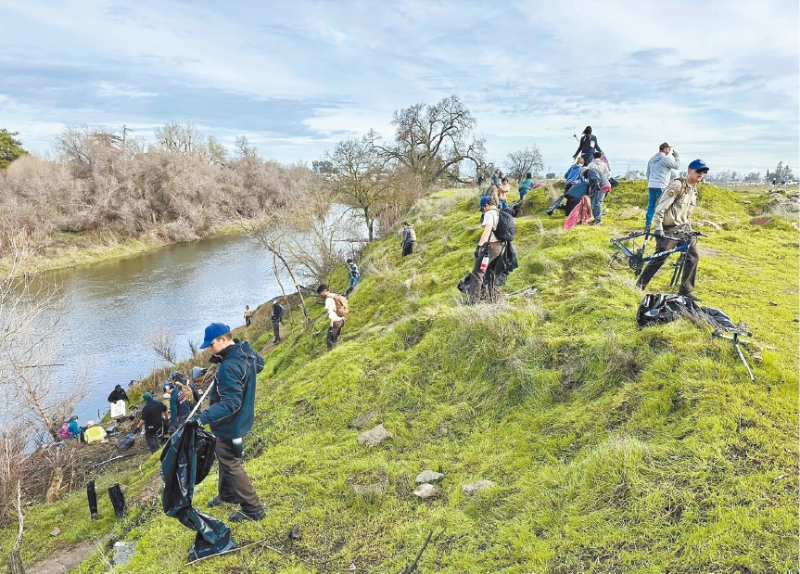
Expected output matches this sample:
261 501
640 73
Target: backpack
506 228
63 432
342 307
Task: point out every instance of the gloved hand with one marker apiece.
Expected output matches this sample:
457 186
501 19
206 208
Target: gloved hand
658 233
193 421
480 250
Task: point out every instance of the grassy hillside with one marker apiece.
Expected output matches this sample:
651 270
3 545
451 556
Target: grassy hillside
613 448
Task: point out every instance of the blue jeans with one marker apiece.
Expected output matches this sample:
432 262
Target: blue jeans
598 195
655 193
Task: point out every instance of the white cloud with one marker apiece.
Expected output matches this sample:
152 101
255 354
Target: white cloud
714 78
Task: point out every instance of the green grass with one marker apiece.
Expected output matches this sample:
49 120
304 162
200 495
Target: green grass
613 448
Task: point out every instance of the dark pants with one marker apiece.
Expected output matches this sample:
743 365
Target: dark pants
247 321
476 279
689 269
408 248
276 329
333 333
151 437
234 484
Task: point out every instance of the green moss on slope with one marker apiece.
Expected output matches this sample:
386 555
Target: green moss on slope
613 448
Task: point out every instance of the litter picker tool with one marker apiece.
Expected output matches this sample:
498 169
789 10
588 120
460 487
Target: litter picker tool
737 343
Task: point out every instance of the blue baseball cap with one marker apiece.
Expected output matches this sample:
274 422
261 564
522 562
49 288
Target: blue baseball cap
484 201
698 165
213 331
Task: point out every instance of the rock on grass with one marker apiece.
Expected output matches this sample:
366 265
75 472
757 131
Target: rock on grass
374 437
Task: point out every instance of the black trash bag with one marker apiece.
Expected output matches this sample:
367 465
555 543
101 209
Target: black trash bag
91 495
555 205
660 308
504 265
117 500
125 442
185 461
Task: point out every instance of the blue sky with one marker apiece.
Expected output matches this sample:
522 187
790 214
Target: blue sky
718 80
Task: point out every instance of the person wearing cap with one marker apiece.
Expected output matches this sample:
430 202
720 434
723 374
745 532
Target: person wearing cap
118 394
488 246
409 239
355 276
659 173
587 146
153 421
248 315
335 322
231 416
673 218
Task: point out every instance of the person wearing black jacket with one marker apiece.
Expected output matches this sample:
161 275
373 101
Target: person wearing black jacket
231 417
118 394
277 319
587 146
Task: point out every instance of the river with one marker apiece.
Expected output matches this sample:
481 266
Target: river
111 307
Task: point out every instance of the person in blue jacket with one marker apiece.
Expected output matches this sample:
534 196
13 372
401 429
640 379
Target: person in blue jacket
231 417
179 407
525 186
587 146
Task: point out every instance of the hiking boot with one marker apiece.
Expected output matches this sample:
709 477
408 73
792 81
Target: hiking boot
217 501
596 222
241 516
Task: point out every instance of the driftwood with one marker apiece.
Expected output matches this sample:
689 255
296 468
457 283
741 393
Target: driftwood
15 565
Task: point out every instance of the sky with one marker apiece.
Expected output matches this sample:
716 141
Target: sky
717 80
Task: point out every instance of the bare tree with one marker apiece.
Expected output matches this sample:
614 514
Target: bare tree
244 149
30 323
364 176
179 138
433 141
519 163
162 343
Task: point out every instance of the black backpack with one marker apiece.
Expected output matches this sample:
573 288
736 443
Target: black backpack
506 228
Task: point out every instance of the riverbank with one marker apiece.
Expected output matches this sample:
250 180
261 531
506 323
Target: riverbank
70 250
609 448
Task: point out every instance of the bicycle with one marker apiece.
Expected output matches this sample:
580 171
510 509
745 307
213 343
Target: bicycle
634 258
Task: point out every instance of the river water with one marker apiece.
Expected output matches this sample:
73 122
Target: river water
111 307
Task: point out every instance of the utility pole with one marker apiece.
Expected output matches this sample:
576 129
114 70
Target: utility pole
125 129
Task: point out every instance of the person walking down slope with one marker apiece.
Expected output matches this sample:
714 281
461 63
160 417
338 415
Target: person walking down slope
355 276
598 188
248 315
525 186
409 239
277 319
334 308
488 249
673 218
153 421
587 146
659 173
230 417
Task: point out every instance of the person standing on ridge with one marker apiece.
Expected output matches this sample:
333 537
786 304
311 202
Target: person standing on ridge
598 188
231 416
489 247
336 321
659 173
153 421
248 315
277 319
409 239
497 178
673 218
355 276
587 145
